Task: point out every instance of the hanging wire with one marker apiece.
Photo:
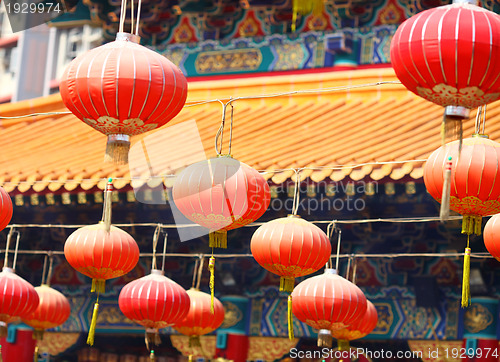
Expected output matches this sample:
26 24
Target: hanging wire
354 269
220 131
164 252
195 272
200 271
484 120
348 269
123 13
477 122
155 243
230 129
16 250
7 245
296 192
49 273
138 17
131 16
44 269
329 228
339 232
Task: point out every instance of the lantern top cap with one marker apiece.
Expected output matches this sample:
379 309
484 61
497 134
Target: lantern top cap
128 37
157 272
7 269
480 135
331 271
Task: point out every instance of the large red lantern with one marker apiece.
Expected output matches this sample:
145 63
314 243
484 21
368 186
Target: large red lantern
101 252
359 328
450 55
221 194
5 208
473 184
492 236
18 298
154 301
123 89
290 247
328 302
200 319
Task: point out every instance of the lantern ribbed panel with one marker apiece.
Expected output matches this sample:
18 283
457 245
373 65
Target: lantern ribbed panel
475 185
52 311
123 88
221 193
5 208
18 298
328 301
200 320
101 255
154 301
491 236
450 55
290 247
360 328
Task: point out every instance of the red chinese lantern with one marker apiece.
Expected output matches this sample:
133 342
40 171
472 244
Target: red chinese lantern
123 89
154 301
200 319
328 302
474 186
101 252
5 208
491 239
290 247
450 55
18 298
221 194
358 329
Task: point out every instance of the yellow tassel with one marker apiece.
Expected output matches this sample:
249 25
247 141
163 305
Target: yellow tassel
467 225
324 338
478 223
152 356
98 285
287 284
190 358
343 345
36 354
444 212
290 319
90 338
217 239
465 281
194 341
211 267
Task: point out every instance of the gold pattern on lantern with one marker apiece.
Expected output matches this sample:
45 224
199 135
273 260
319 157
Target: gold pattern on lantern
293 271
109 125
446 95
325 324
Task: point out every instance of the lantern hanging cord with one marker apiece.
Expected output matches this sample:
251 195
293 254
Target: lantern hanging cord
44 269
138 17
18 237
339 238
480 123
155 243
329 228
230 129
200 271
195 272
123 13
296 192
51 263
165 238
7 245
231 99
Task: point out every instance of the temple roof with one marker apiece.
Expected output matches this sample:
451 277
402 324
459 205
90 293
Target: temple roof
351 129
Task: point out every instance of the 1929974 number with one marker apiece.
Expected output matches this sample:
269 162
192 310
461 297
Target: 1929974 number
31 8
467 352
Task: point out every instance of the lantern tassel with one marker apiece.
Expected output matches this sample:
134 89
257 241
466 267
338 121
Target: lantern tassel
190 359
117 149
3 330
324 338
38 334
466 275
287 284
290 319
152 336
93 323
471 224
444 212
152 356
343 345
36 354
217 239
98 285
211 267
194 341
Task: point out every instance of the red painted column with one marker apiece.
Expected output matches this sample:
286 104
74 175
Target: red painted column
236 348
488 348
23 347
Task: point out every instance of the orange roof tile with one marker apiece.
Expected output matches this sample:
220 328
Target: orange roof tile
321 132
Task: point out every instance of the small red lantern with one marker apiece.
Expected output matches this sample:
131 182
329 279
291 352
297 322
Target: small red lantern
358 329
154 301
200 319
491 236
123 89
328 302
5 209
18 298
52 311
290 247
221 194
474 186
450 55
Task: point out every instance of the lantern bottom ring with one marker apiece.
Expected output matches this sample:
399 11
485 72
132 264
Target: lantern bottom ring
117 149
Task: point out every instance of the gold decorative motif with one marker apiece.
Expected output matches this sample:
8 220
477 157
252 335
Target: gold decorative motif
207 350
54 342
390 15
216 222
228 61
249 27
290 56
472 205
347 334
109 125
477 318
446 95
325 324
294 271
385 318
232 314
269 348
317 22
183 34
